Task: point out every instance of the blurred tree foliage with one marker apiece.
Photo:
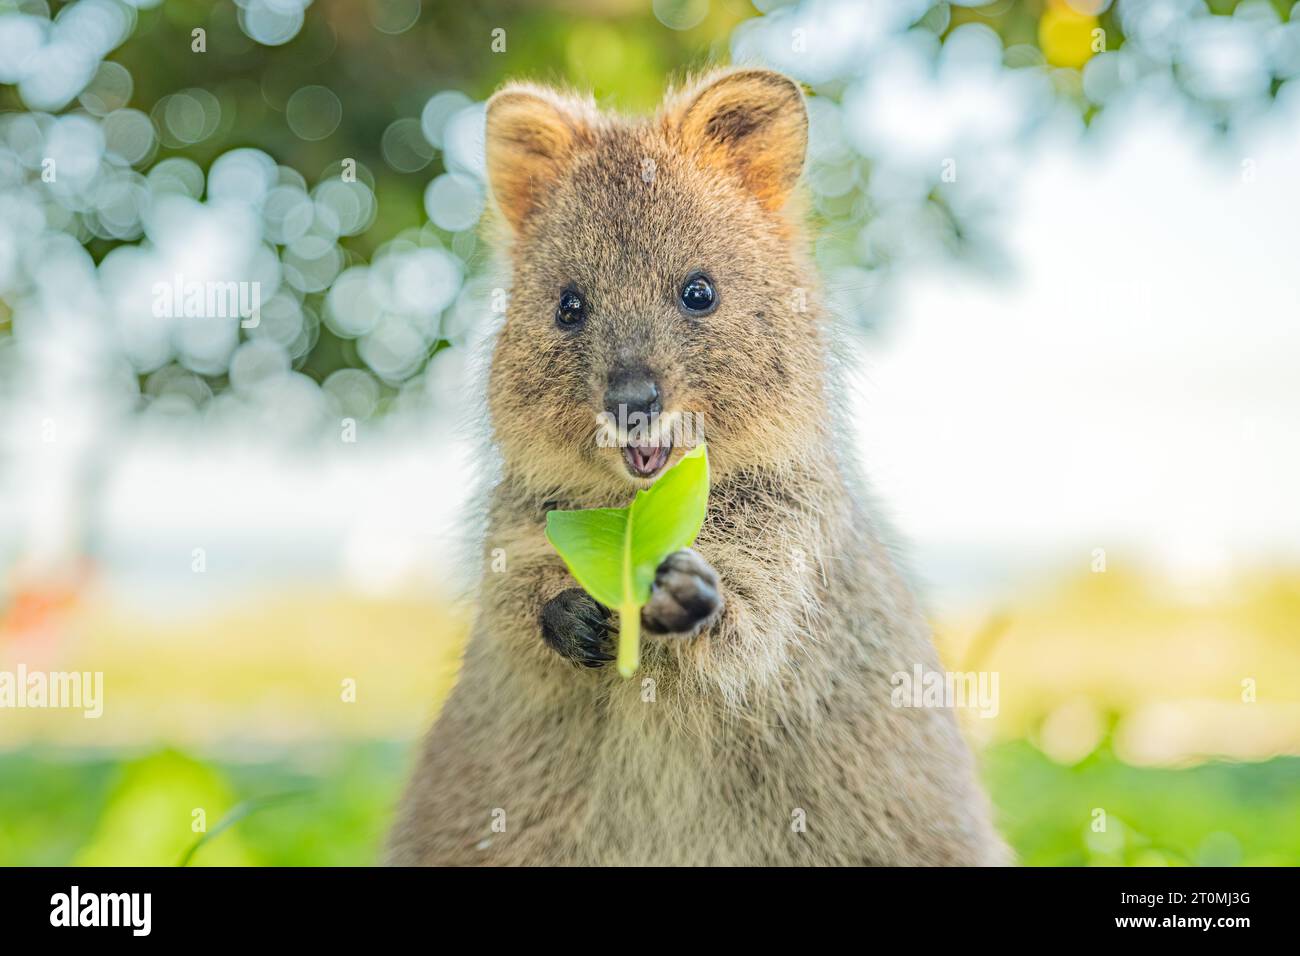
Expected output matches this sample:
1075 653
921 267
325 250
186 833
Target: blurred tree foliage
614 47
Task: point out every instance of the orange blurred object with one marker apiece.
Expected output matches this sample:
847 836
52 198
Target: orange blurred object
37 606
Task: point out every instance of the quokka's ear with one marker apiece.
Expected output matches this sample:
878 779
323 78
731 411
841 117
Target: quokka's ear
752 123
531 134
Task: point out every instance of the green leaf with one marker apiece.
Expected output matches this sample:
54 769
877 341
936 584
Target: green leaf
239 812
614 552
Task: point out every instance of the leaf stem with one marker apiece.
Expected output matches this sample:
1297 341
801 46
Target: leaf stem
629 638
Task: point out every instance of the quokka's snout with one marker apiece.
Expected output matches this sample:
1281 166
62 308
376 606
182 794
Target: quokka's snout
634 406
632 390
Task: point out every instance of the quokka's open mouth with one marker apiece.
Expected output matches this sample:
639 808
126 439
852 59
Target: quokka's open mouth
646 459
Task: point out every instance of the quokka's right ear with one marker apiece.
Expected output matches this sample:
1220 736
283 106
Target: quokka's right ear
531 134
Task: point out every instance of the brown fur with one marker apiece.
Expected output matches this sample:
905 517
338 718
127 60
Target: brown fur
783 704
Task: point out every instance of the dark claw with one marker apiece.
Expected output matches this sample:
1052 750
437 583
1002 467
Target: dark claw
578 628
685 597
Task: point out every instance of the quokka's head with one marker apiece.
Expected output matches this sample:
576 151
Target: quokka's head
660 295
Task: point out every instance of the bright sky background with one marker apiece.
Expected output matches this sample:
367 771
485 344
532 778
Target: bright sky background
1135 388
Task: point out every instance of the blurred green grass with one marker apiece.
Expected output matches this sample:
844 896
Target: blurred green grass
106 809
1215 814
99 808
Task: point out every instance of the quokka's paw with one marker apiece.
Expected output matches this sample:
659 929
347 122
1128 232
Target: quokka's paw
578 628
685 598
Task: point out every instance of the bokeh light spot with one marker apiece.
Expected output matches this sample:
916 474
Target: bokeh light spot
313 112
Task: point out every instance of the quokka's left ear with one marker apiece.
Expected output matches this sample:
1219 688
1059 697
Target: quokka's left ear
751 123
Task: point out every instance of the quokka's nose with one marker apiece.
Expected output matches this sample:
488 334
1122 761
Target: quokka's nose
631 391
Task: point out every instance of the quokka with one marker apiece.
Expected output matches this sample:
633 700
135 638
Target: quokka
658 266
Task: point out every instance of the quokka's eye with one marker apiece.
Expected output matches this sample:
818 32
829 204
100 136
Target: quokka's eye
698 296
572 310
